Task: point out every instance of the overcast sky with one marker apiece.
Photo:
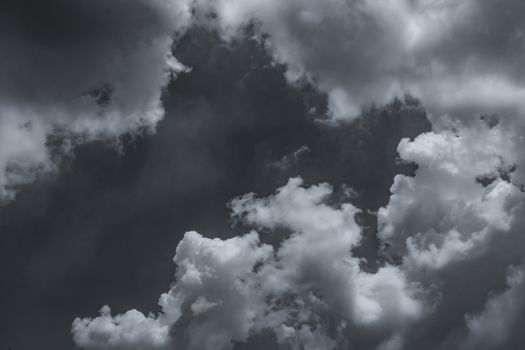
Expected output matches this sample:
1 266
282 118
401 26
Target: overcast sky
262 174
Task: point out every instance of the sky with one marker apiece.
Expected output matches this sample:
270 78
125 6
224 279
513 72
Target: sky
262 174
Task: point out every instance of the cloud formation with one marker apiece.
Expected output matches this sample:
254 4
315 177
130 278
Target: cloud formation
460 57
106 62
92 69
459 218
228 290
460 215
311 292
65 232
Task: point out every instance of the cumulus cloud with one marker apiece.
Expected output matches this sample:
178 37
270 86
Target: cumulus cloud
463 211
131 330
309 291
446 225
214 301
456 56
94 69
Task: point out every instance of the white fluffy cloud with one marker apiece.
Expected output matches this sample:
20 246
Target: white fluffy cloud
443 213
129 331
95 69
458 225
456 56
227 290
215 300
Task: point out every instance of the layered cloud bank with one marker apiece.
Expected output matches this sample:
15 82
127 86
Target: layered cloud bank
97 69
460 56
459 217
87 69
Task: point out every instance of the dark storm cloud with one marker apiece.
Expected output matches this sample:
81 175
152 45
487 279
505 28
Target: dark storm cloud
104 229
296 278
319 229
95 68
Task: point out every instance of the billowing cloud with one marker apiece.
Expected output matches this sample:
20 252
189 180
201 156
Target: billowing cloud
309 291
447 207
93 69
456 227
214 302
457 218
456 56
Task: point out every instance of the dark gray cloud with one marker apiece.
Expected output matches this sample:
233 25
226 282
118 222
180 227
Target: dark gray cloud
104 228
307 227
